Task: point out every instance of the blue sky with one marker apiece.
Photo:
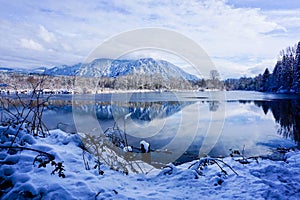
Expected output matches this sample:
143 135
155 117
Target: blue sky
241 36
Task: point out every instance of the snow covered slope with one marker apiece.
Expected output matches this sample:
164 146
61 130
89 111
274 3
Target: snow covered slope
63 70
20 179
113 68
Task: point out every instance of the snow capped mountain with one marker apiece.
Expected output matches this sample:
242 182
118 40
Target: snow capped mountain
64 70
39 70
113 68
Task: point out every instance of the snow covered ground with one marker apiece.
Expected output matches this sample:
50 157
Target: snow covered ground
20 179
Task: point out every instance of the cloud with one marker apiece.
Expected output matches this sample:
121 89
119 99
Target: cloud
266 4
31 44
46 35
259 67
69 30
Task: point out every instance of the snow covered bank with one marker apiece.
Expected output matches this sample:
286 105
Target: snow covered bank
20 179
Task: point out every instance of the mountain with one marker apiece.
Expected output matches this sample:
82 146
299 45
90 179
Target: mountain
64 70
5 69
39 70
114 68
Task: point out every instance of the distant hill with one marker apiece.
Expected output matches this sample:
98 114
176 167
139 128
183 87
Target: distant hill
114 68
5 69
39 70
145 73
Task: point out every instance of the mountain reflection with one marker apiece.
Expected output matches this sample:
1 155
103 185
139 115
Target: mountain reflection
145 111
287 114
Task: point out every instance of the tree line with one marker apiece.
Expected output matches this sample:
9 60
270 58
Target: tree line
18 81
285 77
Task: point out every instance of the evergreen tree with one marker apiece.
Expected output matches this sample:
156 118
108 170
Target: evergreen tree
265 80
276 76
296 77
286 77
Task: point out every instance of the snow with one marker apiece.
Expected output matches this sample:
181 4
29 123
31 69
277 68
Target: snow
146 145
113 68
20 179
127 149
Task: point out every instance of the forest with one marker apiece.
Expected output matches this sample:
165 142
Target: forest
285 77
12 81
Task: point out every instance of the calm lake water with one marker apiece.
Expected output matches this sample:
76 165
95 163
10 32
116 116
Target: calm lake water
186 125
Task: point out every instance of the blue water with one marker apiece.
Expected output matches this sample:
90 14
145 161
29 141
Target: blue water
184 124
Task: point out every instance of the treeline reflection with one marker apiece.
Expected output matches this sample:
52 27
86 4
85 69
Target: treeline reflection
287 114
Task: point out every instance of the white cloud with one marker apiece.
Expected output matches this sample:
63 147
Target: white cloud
72 29
229 68
259 67
46 35
249 67
31 44
66 47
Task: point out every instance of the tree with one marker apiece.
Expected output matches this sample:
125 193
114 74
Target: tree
265 80
296 75
214 76
276 76
286 77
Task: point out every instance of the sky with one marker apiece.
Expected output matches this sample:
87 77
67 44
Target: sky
242 37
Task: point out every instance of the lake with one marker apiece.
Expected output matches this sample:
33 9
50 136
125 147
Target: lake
184 125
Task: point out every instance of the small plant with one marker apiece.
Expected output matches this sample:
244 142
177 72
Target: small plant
59 168
106 152
202 163
42 160
85 161
168 169
25 111
234 153
97 166
21 115
242 158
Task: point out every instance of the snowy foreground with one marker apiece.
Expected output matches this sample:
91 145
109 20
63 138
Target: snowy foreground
20 179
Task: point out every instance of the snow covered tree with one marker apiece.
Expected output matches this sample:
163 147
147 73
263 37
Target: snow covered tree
215 79
296 75
286 78
265 80
276 76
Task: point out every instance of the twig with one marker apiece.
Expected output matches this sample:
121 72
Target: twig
228 166
51 157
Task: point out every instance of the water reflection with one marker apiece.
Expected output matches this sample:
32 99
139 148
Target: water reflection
250 120
145 111
287 114
213 106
